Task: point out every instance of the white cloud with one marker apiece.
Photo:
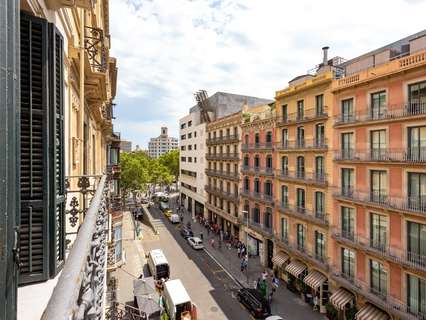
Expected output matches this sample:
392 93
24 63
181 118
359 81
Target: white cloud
242 46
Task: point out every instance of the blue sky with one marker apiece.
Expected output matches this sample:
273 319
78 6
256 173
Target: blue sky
168 49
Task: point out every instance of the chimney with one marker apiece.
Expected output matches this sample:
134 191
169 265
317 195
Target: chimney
325 55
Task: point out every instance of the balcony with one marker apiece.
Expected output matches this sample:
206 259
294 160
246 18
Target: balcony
94 44
257 196
410 260
114 170
222 213
233 197
319 218
313 178
223 140
381 300
264 146
389 113
414 205
264 171
413 155
223 174
308 115
223 156
81 286
302 145
261 228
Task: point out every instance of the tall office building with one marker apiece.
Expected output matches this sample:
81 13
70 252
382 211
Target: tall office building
162 144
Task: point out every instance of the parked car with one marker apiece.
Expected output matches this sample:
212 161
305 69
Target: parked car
274 318
186 232
253 300
195 243
168 213
174 218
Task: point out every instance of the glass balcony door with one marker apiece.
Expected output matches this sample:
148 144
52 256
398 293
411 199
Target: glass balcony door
347 181
378 231
378 186
347 110
416 243
417 98
348 263
378 108
417 143
347 145
378 145
348 222
320 134
417 191
378 278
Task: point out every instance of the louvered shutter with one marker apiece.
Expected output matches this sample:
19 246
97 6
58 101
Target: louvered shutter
57 185
34 222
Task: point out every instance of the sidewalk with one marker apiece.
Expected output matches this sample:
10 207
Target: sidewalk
284 302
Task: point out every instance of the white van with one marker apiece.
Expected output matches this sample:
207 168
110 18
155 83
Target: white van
177 301
158 265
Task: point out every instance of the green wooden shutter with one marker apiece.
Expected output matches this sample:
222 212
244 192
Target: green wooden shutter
34 151
57 173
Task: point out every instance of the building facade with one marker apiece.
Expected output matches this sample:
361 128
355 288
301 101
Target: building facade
64 148
126 146
257 186
223 172
378 243
162 144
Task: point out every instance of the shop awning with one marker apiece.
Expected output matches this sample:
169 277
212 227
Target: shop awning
279 259
370 312
315 279
295 268
340 298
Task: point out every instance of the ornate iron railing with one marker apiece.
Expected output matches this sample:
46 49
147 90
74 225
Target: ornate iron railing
80 291
95 47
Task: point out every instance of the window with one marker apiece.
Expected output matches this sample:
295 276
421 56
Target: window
378 144
319 135
417 143
347 140
189 123
378 186
284 165
417 191
228 132
300 110
319 204
183 126
246 184
319 246
378 278
378 231
268 137
284 229
182 148
256 139
347 181
417 97
348 222
189 147
300 200
190 135
284 196
268 218
256 185
319 105
284 137
235 131
348 263
284 110
246 139
195 147
183 159
41 165
195 134
220 133
416 242
246 161
300 167
378 106
301 237
256 215
300 137
256 162
183 137
347 110
416 295
268 188
195 159
269 162
319 168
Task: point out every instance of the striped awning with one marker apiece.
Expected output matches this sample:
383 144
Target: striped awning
315 279
370 312
295 268
340 298
279 259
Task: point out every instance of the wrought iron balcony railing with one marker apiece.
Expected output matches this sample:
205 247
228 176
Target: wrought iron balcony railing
261 228
307 115
391 112
222 193
319 178
227 215
302 144
257 196
264 171
317 217
223 174
222 140
379 298
410 155
94 43
259 146
81 287
223 156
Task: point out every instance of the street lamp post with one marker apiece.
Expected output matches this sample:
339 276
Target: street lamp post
245 212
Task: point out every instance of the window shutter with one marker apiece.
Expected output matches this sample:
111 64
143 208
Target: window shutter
57 173
34 151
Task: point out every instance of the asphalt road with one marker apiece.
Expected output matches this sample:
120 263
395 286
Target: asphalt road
208 285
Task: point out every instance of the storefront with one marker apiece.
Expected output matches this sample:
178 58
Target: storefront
280 261
199 209
189 205
296 271
255 246
343 301
317 290
371 312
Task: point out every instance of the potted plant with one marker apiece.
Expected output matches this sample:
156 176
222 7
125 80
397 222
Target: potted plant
331 311
350 313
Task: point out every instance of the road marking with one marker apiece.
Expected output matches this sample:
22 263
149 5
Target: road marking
220 265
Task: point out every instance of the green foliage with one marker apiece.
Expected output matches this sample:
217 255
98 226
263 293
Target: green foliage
331 311
170 160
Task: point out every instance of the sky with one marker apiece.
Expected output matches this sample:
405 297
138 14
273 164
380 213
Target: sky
169 49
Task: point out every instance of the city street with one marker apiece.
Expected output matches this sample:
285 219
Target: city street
208 285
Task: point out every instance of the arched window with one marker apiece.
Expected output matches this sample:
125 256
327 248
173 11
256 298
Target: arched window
246 161
269 162
256 214
246 139
284 137
300 200
256 185
268 218
256 138
284 165
269 137
319 204
300 167
319 135
300 137
268 188
256 161
319 168
246 184
284 196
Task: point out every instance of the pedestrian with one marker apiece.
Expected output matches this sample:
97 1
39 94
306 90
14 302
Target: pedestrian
212 242
257 284
201 236
239 252
242 265
181 218
208 230
264 275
